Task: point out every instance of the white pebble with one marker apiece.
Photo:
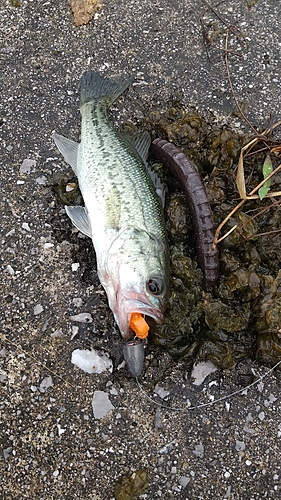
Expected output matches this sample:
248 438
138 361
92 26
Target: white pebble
38 309
48 245
75 266
26 166
41 180
201 370
160 391
75 330
101 405
199 450
46 383
25 226
10 269
184 480
91 361
77 301
82 318
239 446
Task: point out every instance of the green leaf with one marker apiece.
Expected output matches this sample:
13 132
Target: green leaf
266 171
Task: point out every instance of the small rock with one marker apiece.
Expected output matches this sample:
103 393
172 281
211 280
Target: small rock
48 245
272 398
82 318
57 334
26 166
199 450
184 480
75 331
38 309
75 266
77 302
10 269
70 187
25 226
160 391
201 370
239 445
6 452
158 420
60 429
101 404
46 383
249 430
168 447
91 361
42 180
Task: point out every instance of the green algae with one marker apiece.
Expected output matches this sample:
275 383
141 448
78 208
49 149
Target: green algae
130 487
243 315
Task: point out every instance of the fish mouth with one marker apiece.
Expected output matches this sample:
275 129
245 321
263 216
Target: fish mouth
135 302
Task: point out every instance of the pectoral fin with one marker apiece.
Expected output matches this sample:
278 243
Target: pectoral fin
79 218
68 149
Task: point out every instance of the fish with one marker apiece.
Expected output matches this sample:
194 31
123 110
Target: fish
123 208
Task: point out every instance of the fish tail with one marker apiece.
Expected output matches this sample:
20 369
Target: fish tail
95 87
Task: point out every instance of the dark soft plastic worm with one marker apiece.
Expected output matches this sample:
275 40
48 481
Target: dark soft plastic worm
198 204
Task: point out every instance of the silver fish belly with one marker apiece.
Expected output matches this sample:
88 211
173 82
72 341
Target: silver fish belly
122 213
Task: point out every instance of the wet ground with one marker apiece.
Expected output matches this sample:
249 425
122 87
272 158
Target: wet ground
53 445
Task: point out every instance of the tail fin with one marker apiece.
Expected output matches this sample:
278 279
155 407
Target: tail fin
95 87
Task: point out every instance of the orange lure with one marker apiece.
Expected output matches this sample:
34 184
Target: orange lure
139 325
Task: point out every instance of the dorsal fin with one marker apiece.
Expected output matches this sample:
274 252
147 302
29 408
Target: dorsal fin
139 142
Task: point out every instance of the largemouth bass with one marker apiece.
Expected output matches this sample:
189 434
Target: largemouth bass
122 213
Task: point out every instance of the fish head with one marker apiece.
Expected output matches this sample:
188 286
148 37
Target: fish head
137 282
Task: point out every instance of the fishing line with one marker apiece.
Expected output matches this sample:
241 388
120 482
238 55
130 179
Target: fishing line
202 405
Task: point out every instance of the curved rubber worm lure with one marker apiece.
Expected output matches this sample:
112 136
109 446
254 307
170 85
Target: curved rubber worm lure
198 204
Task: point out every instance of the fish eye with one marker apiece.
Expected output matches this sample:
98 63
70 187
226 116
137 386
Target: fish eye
155 285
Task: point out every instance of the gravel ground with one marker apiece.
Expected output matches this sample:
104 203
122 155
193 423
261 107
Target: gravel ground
53 445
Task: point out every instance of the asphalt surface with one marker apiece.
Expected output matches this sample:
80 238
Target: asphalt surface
53 446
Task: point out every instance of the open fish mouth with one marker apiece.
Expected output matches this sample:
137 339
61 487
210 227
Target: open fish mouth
134 302
140 303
